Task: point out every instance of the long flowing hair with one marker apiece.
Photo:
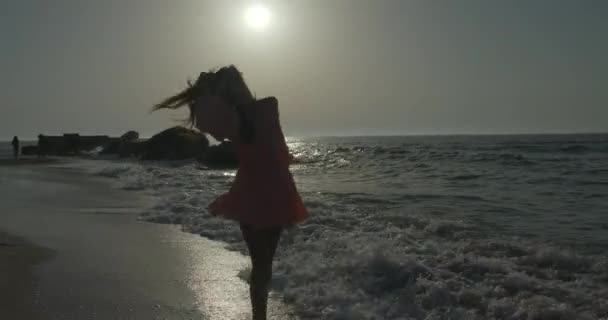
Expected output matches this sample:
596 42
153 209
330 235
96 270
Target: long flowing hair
227 83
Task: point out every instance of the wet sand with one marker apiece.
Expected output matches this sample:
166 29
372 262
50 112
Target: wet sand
17 258
75 250
28 161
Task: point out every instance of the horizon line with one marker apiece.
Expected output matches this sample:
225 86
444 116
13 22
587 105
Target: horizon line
553 133
388 135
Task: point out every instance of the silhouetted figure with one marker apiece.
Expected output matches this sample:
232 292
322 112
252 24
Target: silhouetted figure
16 147
263 197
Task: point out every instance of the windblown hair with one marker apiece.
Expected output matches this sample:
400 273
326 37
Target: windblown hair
227 83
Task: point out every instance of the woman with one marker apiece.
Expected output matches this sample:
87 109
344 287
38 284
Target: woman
263 197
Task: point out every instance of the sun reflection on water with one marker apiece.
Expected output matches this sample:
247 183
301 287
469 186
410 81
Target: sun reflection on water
214 279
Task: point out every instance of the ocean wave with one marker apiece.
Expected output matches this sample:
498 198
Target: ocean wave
114 171
577 148
356 258
527 148
414 197
503 158
597 171
399 156
391 151
592 182
466 177
393 199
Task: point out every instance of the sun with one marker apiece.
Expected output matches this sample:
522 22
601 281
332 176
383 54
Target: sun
257 17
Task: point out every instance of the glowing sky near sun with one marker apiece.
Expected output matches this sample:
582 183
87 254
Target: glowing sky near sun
257 16
337 67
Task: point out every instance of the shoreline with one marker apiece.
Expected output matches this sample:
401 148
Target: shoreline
75 249
100 251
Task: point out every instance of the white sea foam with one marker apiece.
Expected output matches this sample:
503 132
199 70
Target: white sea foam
360 260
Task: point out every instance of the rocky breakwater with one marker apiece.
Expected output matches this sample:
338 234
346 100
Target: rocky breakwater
176 143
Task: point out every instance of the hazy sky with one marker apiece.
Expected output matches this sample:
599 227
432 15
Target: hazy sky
337 66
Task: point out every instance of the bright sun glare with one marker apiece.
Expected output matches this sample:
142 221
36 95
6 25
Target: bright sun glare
257 16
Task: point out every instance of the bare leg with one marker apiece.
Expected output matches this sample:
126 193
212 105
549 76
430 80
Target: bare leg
262 244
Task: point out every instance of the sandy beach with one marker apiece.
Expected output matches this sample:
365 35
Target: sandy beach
18 257
71 247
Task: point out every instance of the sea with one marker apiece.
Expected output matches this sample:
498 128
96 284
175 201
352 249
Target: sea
419 227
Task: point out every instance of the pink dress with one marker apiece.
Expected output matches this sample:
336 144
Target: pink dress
263 193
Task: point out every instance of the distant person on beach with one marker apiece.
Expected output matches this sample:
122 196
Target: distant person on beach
16 147
263 197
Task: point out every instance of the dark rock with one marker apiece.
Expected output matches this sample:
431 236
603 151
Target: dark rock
51 145
131 149
124 146
112 147
87 143
69 144
177 143
71 141
221 155
130 136
29 150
